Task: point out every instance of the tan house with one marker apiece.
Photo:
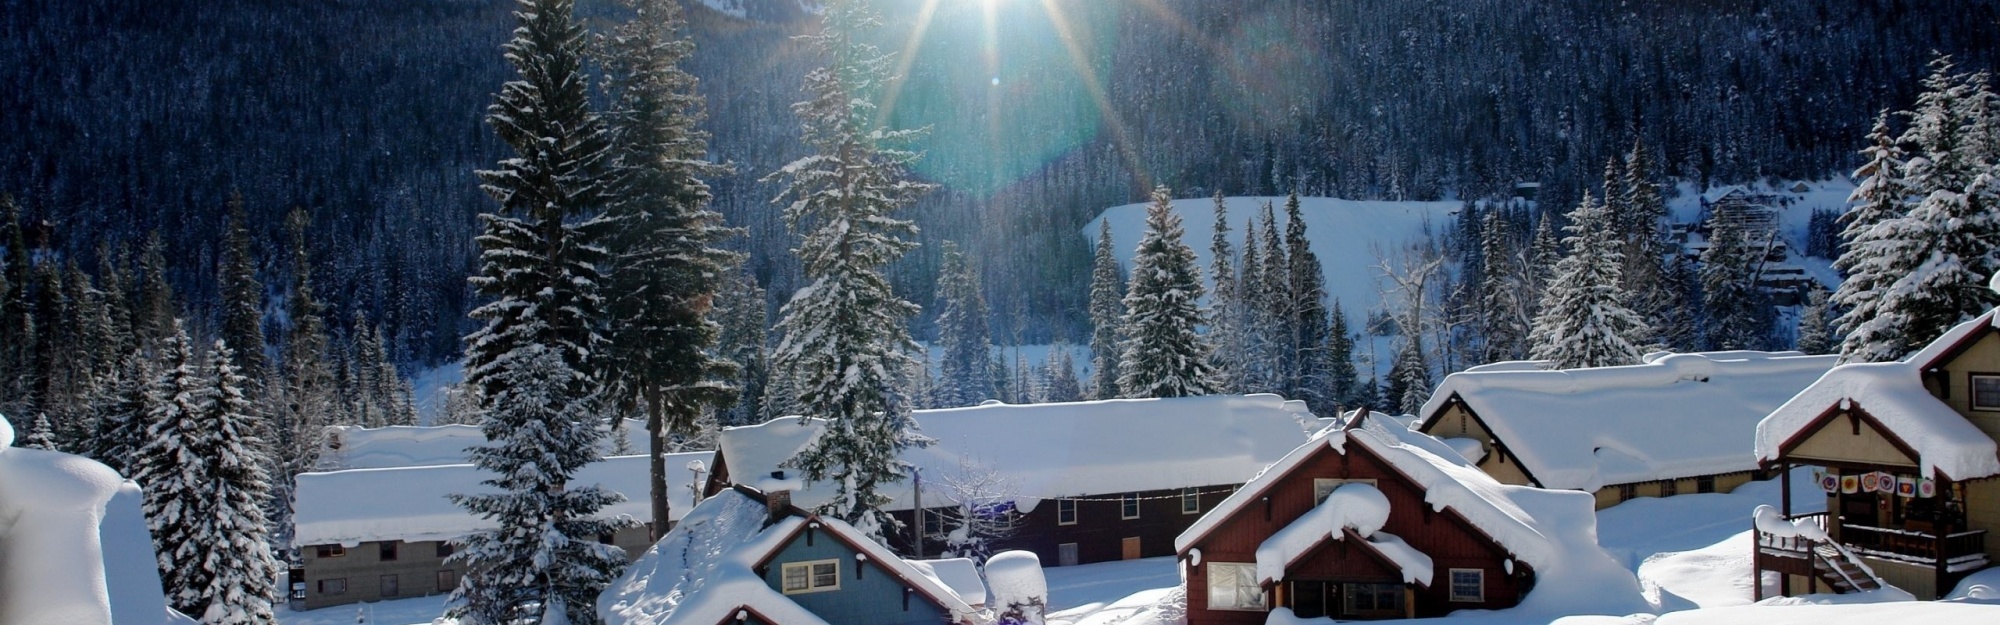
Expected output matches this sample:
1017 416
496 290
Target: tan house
1907 464
1674 424
381 534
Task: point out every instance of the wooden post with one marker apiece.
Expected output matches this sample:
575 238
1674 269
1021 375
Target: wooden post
1756 564
1785 484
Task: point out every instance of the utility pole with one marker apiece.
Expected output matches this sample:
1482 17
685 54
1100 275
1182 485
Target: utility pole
917 505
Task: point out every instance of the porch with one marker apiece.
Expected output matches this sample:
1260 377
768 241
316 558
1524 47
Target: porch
1901 530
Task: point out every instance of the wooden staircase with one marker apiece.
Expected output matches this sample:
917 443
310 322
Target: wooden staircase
1840 569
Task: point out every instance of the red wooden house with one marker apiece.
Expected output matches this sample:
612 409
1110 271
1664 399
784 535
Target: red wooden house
1366 521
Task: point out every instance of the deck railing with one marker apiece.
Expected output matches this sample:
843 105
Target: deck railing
1913 546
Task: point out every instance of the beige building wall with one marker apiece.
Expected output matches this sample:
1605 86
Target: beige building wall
1982 512
1838 441
1918 580
1725 482
416 571
1456 422
1982 358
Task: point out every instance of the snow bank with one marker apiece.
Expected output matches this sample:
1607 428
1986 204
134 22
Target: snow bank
1015 578
356 447
76 545
959 575
1893 393
1356 506
1048 451
1676 415
1983 586
408 503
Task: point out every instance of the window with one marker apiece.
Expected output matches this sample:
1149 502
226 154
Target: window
1065 512
814 576
1190 501
1704 484
333 586
1233 586
1128 506
1669 488
330 551
933 522
390 586
447 580
1066 554
1374 599
388 550
607 538
1322 487
1986 392
444 549
1468 585
1628 492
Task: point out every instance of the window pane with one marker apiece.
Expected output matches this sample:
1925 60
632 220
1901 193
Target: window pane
1234 587
1985 391
826 575
795 577
1467 585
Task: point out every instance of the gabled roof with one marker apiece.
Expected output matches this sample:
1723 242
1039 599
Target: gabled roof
1674 416
1046 451
408 503
1893 396
705 571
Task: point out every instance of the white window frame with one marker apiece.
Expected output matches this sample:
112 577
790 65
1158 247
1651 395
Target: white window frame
1065 508
1323 486
1190 500
1131 501
811 585
1972 392
1452 578
1229 597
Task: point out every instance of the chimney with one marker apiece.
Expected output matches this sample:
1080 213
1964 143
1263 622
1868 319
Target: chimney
778 501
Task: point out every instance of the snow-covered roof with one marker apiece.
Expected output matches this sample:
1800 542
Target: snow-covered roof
1355 507
1045 451
356 447
408 503
1674 416
703 572
1893 394
959 575
1553 531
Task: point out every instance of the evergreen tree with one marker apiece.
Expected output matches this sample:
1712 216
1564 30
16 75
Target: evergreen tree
964 378
1165 355
17 312
1107 309
1306 287
536 360
844 342
123 415
543 562
1583 320
1225 326
1062 383
1645 250
236 555
665 267
306 400
1816 323
1738 313
1504 321
741 313
172 465
154 315
54 343
242 298
1413 376
40 435
1273 319
1343 382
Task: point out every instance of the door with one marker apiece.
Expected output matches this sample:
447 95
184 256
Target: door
1310 599
1131 548
1066 554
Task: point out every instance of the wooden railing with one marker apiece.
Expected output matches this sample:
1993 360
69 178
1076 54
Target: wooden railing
1913 546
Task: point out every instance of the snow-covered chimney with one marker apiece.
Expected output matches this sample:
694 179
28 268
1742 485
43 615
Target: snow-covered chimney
779 501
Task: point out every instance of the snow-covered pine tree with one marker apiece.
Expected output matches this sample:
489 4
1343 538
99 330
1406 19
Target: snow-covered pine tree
1306 287
1738 315
242 299
40 435
1257 370
305 398
1583 320
1816 323
1165 354
665 266
1880 195
964 377
153 311
1544 251
1504 324
1413 376
1343 383
1273 316
1063 385
242 574
172 465
123 412
845 343
1645 251
741 312
1225 325
1107 310
543 564
536 360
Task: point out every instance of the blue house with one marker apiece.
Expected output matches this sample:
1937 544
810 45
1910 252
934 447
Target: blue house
747 557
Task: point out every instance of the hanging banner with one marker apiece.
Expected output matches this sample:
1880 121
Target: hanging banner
1906 486
1926 488
1850 484
1870 482
1829 482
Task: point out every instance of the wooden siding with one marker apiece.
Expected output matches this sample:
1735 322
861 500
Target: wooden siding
1099 532
416 569
1724 483
868 593
1981 357
1845 438
1450 540
1457 421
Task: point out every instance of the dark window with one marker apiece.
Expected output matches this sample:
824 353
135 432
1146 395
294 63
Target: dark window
933 522
1066 554
1628 492
1986 392
606 538
1704 484
1190 501
1468 585
336 586
388 550
1128 506
444 549
447 580
1373 600
1669 488
391 586
1065 512
331 551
